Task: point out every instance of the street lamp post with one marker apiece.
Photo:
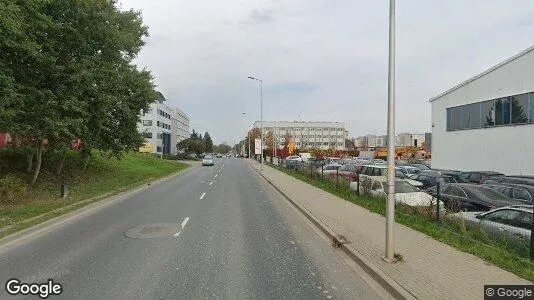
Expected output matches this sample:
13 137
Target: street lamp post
261 118
390 210
244 133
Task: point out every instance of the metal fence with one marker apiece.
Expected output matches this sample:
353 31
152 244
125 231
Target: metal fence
508 227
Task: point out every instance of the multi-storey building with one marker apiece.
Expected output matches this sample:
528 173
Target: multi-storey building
324 135
163 127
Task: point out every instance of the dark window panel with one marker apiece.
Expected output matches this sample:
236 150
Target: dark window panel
506 111
488 113
531 107
519 106
464 116
475 118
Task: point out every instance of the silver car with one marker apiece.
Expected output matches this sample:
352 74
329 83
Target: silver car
208 160
514 221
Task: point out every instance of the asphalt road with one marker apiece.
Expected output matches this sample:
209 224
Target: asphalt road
216 232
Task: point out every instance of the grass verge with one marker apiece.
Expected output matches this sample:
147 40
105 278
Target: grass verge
504 253
103 177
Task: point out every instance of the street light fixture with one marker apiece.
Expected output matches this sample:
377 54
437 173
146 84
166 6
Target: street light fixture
261 118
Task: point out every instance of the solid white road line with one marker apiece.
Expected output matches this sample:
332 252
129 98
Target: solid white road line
184 222
216 175
211 183
204 194
177 234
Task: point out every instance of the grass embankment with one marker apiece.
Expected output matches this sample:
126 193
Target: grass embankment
510 255
22 207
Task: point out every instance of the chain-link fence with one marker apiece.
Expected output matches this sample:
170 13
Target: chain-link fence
477 216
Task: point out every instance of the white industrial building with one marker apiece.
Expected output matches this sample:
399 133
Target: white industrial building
163 127
323 135
487 122
410 139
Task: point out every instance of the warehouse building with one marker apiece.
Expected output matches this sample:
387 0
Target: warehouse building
487 122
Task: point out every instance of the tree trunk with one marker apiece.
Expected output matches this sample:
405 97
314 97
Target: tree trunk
29 160
61 162
37 164
86 163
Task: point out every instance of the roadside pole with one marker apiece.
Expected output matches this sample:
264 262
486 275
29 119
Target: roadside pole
390 210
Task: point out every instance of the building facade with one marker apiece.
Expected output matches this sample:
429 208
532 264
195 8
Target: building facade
487 122
410 139
323 135
163 127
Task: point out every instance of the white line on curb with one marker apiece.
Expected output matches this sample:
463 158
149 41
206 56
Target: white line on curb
204 194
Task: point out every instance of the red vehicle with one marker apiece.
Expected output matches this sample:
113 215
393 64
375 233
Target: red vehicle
350 171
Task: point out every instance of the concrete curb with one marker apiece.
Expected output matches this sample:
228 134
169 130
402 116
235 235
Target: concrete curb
101 201
390 285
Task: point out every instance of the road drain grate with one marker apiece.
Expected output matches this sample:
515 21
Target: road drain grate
156 230
338 241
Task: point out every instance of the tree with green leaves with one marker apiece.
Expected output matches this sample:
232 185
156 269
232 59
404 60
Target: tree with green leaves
208 143
223 148
68 73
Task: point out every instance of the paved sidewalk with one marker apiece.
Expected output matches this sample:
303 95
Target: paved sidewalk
430 269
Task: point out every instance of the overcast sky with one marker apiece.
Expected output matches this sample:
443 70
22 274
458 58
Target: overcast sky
321 60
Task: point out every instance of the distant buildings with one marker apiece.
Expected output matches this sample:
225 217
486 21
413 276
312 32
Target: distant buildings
403 139
323 135
163 127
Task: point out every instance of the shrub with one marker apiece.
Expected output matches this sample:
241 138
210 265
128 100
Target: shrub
11 189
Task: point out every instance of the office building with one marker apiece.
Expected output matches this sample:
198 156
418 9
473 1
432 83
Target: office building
323 135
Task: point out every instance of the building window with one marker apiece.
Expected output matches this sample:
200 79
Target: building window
160 136
158 123
519 106
159 149
147 122
147 135
511 110
475 118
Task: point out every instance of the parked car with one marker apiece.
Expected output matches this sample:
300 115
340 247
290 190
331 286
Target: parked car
404 191
408 170
429 179
350 171
208 160
421 167
521 192
471 197
529 180
513 221
478 176
454 174
328 169
381 170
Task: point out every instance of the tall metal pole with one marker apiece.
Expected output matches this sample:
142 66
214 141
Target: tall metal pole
244 132
261 122
390 210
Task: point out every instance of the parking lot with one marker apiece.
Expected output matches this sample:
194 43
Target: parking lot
489 207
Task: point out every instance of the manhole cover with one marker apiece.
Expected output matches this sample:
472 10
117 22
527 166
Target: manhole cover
153 230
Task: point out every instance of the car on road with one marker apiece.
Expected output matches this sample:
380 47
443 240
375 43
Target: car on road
421 167
471 197
404 192
208 160
514 221
478 176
